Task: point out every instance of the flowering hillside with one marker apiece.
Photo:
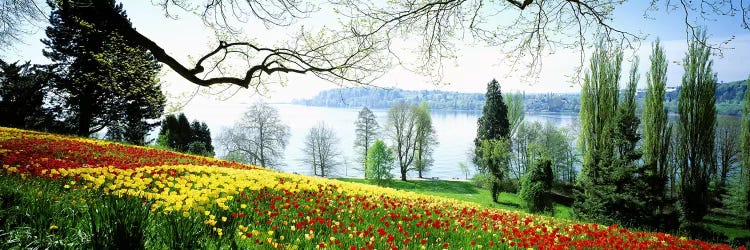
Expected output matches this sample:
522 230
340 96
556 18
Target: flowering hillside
251 207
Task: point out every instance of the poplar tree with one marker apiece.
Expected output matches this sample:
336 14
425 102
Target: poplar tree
746 146
425 140
696 130
656 129
599 99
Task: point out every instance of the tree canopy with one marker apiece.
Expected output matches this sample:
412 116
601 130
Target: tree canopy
364 41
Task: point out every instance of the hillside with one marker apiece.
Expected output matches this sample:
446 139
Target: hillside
728 99
66 192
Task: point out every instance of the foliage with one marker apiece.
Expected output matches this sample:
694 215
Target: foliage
321 150
260 136
495 158
536 142
514 103
536 187
745 147
23 90
380 162
656 132
102 79
493 135
493 124
483 180
696 126
425 139
727 151
179 134
599 102
367 131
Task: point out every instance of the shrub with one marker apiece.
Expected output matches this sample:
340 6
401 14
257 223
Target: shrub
536 186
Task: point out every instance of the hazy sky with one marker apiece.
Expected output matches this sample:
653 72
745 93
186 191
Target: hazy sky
473 68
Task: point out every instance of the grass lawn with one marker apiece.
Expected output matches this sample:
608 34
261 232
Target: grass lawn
465 191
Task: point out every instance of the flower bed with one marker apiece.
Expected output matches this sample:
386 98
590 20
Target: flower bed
255 207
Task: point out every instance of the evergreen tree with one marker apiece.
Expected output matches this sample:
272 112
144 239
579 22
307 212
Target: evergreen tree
627 204
202 135
696 130
536 188
367 131
180 135
167 132
23 89
104 81
493 124
183 133
656 131
425 140
599 104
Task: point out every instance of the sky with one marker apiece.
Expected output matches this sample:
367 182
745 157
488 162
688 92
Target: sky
186 37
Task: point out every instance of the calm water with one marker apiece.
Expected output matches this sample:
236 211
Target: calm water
455 131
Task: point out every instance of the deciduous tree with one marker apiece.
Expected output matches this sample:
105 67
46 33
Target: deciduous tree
697 130
401 127
496 159
321 150
260 136
745 140
599 100
657 131
380 162
425 140
367 132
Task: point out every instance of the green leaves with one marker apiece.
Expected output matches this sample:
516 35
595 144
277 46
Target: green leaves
379 163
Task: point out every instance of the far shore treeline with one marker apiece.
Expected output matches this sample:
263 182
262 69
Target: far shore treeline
728 99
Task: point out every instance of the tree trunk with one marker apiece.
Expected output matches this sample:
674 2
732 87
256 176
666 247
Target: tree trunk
84 116
403 173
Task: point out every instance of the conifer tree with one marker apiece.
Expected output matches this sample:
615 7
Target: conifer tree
493 125
103 79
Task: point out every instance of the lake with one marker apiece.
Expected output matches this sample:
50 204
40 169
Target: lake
455 132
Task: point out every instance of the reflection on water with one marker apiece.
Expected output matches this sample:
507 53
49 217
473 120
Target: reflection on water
455 131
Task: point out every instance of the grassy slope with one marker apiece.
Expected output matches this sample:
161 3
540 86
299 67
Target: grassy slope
465 191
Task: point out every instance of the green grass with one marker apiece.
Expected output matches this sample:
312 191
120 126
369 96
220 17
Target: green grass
464 191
